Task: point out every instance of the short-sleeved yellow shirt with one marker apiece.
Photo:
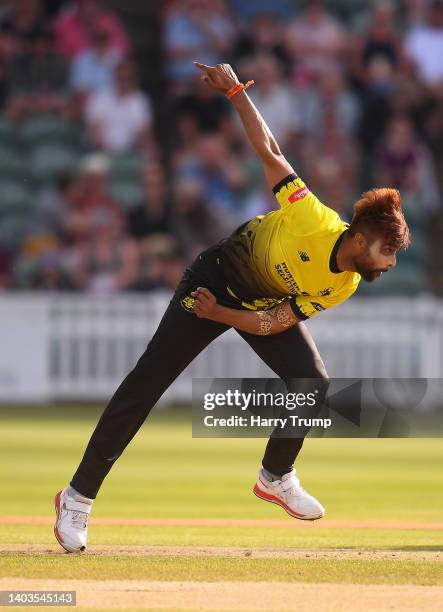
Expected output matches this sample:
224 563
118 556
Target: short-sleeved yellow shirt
289 252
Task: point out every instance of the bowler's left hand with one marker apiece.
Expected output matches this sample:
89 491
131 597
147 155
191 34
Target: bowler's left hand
205 303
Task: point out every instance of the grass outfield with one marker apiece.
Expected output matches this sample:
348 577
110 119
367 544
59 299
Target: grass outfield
389 491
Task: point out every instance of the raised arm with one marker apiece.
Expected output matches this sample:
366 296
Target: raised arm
222 78
260 323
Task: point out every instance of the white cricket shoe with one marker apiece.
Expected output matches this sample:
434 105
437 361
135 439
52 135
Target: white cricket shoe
71 523
289 494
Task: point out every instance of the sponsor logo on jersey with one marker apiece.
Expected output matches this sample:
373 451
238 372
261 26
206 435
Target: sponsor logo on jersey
188 303
304 256
325 292
299 194
285 274
318 306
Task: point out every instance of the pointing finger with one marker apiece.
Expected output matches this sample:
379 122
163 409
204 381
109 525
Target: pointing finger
203 67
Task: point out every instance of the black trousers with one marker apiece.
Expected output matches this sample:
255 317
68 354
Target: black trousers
180 337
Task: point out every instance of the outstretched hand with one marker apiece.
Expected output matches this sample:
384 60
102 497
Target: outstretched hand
220 77
205 303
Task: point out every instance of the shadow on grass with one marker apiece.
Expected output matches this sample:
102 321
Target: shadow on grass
86 413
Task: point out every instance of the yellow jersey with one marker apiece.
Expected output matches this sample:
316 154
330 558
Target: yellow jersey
289 252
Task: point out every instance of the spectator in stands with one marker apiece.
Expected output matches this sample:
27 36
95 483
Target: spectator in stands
331 164
195 29
404 162
193 221
316 43
91 195
202 111
263 37
220 173
22 18
48 216
162 262
248 10
120 119
424 46
379 42
108 261
152 216
329 97
276 100
381 91
5 267
37 77
75 24
93 69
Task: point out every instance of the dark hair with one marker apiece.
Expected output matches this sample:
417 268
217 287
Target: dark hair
379 213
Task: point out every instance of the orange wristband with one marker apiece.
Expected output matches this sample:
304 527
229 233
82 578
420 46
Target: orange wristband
239 87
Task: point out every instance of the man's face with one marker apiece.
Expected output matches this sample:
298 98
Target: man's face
376 257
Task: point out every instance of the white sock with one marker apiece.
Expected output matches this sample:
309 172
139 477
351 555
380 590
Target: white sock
270 476
72 493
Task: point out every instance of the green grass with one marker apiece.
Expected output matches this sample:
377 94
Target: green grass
166 473
216 569
315 537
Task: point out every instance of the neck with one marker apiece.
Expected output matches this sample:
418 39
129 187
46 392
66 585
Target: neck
344 257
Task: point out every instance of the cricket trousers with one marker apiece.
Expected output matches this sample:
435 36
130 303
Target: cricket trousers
180 337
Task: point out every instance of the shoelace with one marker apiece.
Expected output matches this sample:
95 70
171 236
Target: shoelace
79 519
293 488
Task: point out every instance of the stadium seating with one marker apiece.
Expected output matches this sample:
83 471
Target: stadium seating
48 160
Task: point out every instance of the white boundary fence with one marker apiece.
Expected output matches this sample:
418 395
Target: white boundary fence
80 347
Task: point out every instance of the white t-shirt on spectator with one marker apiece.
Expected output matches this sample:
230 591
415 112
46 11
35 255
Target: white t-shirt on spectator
425 47
279 110
122 117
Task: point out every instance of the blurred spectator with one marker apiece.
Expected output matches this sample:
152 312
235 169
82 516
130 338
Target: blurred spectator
413 13
329 115
90 196
331 97
152 216
193 221
37 77
264 36
383 89
93 69
198 30
248 10
46 269
22 18
219 172
120 119
424 45
276 101
202 111
51 208
75 24
108 261
5 267
404 162
315 42
161 263
379 43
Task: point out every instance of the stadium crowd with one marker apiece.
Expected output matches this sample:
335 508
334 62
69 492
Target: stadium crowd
97 194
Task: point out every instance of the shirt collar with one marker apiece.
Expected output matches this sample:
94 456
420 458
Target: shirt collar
333 265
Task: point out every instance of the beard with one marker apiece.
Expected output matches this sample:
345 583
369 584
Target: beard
367 271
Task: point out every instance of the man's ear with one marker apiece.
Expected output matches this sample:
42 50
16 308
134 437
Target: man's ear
360 242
